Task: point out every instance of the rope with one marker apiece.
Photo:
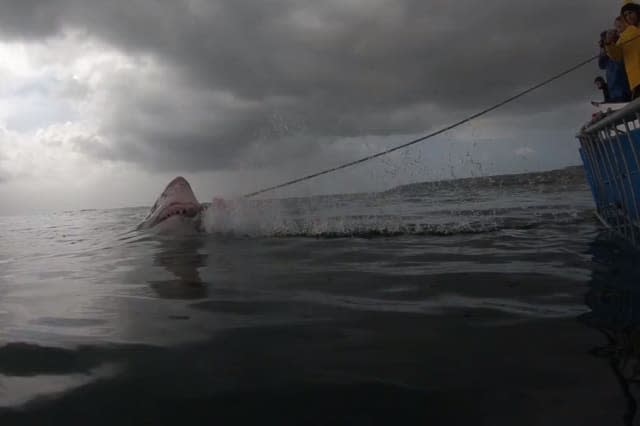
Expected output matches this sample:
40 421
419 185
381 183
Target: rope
430 135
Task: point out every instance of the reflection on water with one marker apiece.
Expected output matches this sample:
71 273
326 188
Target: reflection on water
182 258
254 347
614 300
16 389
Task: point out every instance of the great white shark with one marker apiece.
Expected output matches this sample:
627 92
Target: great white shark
176 208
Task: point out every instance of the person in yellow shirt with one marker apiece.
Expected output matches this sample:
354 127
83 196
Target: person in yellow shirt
620 24
630 12
627 47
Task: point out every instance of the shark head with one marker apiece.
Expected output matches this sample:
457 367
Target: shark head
176 207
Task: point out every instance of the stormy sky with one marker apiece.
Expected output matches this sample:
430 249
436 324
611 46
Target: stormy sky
102 102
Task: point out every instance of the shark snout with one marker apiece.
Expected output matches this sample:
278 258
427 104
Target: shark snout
178 182
177 200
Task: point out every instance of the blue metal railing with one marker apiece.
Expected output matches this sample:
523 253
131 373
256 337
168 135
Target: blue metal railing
610 152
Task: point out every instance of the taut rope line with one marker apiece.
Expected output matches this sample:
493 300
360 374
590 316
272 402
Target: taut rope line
430 135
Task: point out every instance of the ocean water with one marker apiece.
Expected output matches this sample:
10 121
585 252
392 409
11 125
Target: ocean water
489 301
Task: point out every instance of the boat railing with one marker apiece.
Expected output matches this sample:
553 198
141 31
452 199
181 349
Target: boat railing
610 152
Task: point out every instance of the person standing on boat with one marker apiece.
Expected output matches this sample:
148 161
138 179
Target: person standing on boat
616 76
627 46
602 85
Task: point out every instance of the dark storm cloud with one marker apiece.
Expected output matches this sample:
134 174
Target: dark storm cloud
324 69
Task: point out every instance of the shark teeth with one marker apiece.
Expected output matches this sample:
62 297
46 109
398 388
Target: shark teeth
183 211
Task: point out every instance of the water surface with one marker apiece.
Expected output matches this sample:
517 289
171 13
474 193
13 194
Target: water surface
493 301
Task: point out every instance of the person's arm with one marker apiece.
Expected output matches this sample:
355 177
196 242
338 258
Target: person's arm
613 47
603 60
614 52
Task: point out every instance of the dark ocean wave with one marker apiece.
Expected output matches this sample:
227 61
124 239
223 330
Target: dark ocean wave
389 226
